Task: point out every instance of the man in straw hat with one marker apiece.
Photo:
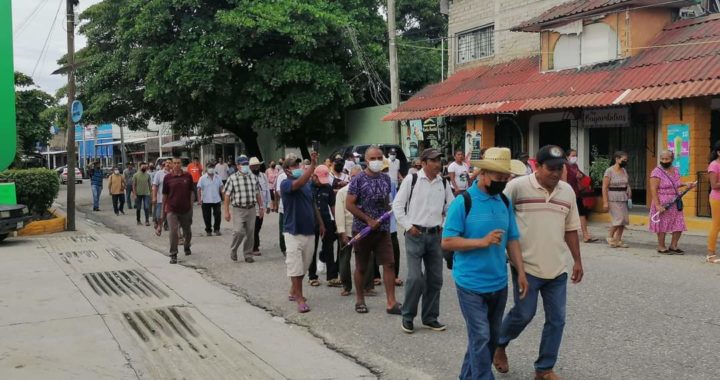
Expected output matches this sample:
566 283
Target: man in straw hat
420 211
548 217
479 227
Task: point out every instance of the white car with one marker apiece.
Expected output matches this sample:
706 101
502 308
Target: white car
64 175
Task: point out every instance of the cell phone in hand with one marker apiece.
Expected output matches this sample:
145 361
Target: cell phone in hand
316 146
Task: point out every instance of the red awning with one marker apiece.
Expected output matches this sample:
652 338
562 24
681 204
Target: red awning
683 62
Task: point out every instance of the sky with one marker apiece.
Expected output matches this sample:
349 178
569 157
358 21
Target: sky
32 24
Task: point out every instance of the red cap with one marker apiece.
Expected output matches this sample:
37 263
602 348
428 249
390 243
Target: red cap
323 174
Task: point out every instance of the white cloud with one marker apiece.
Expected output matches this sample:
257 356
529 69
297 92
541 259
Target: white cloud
32 22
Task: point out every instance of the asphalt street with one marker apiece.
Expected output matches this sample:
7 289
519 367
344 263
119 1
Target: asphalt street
636 315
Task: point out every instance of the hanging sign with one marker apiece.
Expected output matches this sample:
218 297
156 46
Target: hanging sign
431 132
77 111
678 142
607 118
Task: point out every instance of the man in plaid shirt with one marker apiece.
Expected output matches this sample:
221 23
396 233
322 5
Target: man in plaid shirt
242 191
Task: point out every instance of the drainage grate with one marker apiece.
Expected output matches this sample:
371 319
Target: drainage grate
116 254
123 283
78 255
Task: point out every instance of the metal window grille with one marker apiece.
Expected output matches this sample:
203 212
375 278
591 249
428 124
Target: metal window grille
476 44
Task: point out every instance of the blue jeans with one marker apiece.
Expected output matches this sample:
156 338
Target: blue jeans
423 249
96 191
142 202
128 195
483 316
554 295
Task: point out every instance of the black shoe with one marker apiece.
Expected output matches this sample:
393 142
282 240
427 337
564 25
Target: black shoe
407 326
217 233
139 223
249 260
435 326
147 223
208 233
116 214
122 212
188 252
173 259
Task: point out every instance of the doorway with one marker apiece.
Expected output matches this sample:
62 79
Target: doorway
554 133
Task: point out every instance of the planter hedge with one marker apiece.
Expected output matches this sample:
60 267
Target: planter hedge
36 188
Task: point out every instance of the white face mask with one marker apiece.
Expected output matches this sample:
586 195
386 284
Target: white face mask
392 157
572 160
375 166
116 171
211 171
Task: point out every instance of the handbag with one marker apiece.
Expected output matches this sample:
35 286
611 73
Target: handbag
678 202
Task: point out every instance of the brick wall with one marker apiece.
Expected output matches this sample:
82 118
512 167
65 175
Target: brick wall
504 14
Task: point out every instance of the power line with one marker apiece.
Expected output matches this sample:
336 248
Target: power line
47 39
25 22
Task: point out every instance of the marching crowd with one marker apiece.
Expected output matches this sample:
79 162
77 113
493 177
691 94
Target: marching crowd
476 218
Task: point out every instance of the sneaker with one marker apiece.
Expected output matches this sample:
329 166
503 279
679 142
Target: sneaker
407 326
147 223
173 259
208 233
249 260
435 326
116 214
122 212
217 233
188 252
139 223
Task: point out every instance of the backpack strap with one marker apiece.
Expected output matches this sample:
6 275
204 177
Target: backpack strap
412 187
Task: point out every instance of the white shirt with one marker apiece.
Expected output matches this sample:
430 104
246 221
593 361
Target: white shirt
343 217
211 188
281 177
264 192
394 170
425 208
158 181
343 177
221 170
461 174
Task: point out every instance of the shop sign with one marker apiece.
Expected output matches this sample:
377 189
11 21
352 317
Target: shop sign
678 142
432 134
607 118
413 132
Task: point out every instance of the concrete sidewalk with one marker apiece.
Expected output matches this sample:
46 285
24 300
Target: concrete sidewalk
97 305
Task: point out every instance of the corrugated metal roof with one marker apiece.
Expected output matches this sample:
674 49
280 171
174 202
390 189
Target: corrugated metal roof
684 61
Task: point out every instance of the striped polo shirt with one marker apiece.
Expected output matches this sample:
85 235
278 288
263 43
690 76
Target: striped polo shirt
543 218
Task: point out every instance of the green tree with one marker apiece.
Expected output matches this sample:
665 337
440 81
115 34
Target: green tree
33 120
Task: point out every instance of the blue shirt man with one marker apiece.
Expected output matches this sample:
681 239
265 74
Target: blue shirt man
96 183
479 235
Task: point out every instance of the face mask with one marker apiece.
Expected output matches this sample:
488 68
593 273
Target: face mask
297 173
496 187
256 171
357 160
392 157
623 164
143 170
572 160
245 169
211 171
338 168
116 171
666 165
375 166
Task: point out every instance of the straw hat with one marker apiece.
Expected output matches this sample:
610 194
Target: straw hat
255 161
498 160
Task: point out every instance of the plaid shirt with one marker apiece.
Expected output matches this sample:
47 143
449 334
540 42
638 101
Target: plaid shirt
242 189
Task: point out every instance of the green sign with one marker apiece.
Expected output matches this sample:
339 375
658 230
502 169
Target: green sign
7 194
8 133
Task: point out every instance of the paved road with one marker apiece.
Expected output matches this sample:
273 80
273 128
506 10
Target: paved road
637 315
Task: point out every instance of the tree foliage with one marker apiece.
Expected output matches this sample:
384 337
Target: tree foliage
33 119
289 66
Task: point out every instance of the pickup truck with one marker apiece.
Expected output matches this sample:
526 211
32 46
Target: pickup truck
12 218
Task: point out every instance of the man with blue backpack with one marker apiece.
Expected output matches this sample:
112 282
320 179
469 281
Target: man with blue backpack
479 228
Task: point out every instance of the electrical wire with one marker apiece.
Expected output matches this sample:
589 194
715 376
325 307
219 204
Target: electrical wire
45 46
26 21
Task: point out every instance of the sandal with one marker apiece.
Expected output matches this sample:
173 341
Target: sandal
611 242
399 282
314 282
370 293
292 298
621 244
591 240
395 310
334 283
346 292
677 251
712 259
303 308
361 308
665 251
377 282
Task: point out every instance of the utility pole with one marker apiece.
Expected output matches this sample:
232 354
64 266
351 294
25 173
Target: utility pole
70 125
123 152
394 78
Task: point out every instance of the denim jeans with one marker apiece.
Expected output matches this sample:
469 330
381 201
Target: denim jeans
483 316
128 195
118 201
96 191
142 202
554 295
423 249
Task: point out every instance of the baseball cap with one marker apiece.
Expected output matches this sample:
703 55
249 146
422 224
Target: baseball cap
291 160
356 154
429 154
392 151
551 155
242 160
323 174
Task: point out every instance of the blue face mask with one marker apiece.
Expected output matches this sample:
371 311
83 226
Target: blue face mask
245 169
297 173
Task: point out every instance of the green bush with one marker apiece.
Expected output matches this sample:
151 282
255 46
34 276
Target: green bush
36 188
598 166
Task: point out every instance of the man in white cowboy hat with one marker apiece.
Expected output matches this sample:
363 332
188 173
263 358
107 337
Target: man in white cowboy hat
265 194
479 227
547 213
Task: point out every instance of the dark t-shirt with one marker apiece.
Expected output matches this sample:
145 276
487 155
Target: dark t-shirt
324 198
373 198
177 190
299 210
